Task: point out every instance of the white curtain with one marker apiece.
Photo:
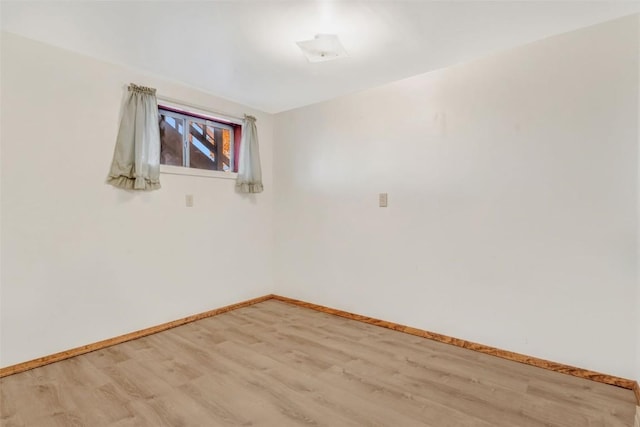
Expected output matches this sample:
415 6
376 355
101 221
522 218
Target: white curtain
136 159
249 178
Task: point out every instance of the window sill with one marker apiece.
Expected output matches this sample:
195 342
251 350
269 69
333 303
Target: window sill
178 170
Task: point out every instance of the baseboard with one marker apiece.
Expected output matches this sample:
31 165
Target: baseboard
504 354
42 361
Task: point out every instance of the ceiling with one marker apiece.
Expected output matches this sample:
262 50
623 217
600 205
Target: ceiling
246 51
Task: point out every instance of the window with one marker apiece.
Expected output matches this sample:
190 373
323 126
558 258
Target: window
196 141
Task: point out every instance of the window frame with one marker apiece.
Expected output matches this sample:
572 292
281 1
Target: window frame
188 112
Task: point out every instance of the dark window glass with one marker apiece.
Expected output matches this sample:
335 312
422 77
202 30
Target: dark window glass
203 144
171 137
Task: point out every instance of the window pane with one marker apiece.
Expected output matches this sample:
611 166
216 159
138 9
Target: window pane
197 142
226 149
171 131
210 135
202 150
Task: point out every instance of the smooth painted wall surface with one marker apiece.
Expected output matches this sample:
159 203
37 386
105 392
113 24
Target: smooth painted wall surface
513 190
83 261
638 211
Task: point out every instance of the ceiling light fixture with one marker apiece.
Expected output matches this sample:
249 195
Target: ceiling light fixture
323 47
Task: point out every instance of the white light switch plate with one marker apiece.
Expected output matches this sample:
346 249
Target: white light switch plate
383 199
188 200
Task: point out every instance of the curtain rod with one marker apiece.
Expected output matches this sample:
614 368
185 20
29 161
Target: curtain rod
204 110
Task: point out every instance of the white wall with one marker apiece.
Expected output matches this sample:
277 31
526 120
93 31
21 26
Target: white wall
512 220
83 261
513 192
638 251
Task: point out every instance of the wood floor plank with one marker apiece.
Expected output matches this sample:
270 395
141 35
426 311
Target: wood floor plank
277 364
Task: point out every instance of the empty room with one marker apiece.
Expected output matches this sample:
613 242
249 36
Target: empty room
313 212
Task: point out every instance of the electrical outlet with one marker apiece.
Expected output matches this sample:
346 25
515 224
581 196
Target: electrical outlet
188 200
383 200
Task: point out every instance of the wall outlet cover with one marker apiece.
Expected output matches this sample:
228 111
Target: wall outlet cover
383 199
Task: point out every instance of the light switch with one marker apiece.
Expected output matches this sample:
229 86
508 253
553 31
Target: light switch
188 200
383 199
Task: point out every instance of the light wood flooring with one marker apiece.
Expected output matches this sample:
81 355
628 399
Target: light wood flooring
275 364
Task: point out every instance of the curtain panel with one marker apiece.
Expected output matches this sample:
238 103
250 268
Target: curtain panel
249 178
136 158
